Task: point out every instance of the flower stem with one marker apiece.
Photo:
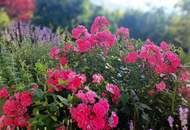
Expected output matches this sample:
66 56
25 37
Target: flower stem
173 98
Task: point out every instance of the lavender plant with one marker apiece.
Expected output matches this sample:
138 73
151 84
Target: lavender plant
24 51
21 31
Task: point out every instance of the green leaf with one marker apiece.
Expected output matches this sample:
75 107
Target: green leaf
38 94
124 98
63 100
41 67
61 81
144 106
52 107
20 87
70 98
54 118
145 116
4 18
35 111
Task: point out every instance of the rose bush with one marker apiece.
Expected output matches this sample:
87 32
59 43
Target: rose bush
103 81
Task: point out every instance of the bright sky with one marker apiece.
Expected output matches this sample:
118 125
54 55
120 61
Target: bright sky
137 4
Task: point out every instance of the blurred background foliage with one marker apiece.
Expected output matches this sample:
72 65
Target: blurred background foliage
65 13
4 18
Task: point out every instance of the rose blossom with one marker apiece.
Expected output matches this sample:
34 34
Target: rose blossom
4 92
113 120
160 86
122 33
131 57
54 52
114 90
97 78
100 23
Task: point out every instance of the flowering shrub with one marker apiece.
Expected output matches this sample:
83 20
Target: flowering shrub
103 81
21 9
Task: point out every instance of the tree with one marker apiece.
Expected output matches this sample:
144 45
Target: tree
180 26
20 9
65 13
146 24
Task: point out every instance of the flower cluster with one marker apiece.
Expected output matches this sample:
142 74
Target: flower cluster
15 110
54 52
87 97
94 116
4 92
114 91
185 92
183 113
170 121
97 78
160 86
99 36
100 24
122 33
161 59
183 116
64 79
131 57
184 75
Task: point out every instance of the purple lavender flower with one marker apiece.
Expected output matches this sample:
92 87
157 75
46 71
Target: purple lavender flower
20 31
183 113
170 121
184 128
131 126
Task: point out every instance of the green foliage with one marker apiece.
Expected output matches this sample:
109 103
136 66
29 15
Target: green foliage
47 107
179 29
4 18
23 64
146 24
179 26
65 13
185 6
